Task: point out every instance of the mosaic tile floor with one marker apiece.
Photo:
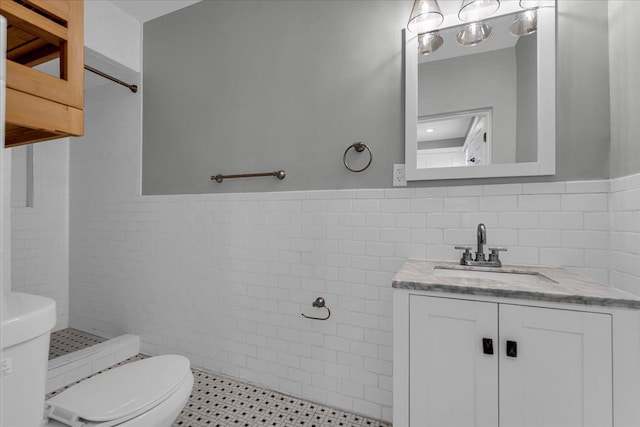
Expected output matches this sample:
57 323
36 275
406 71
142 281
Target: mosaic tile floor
219 401
69 340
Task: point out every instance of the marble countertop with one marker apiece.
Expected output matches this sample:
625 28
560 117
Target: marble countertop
554 284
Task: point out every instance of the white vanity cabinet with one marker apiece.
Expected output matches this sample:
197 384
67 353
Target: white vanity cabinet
556 369
487 354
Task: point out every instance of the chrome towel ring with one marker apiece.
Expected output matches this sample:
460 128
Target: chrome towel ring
319 303
359 147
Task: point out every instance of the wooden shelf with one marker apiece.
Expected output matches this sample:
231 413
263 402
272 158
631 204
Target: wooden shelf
41 106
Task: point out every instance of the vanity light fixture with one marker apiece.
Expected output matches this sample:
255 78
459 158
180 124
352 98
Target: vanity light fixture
425 16
430 130
534 4
475 10
473 33
524 23
429 43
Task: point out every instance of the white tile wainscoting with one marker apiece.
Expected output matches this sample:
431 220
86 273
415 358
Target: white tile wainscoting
625 233
223 278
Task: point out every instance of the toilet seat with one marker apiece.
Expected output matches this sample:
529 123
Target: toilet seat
119 394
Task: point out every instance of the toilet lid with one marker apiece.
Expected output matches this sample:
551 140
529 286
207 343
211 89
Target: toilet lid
122 392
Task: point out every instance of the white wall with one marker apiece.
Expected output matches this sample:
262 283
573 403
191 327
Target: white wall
5 191
40 233
625 233
5 220
38 261
113 33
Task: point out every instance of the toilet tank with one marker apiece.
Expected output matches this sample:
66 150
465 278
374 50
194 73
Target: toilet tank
27 321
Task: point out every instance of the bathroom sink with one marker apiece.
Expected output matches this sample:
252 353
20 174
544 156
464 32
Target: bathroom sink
508 276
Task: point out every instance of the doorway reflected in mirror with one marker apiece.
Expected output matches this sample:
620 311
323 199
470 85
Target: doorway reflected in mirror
456 139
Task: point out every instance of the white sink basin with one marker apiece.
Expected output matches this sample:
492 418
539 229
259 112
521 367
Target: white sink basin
510 276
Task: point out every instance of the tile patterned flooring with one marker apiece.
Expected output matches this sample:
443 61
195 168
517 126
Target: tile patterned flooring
69 340
220 401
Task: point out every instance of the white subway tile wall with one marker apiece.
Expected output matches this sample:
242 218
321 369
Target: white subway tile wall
5 220
40 234
19 176
625 233
224 278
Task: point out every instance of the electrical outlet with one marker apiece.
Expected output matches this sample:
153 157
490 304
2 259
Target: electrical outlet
7 367
399 178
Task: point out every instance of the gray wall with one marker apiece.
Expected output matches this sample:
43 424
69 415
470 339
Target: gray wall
252 86
256 86
527 88
470 82
624 57
582 92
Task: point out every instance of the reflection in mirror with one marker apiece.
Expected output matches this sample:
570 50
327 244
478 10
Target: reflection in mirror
500 93
456 139
500 72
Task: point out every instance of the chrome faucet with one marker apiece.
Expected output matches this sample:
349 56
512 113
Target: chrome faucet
482 240
480 259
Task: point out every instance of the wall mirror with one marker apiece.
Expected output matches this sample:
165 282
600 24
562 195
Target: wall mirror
481 111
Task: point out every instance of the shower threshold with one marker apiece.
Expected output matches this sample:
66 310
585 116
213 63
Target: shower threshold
75 354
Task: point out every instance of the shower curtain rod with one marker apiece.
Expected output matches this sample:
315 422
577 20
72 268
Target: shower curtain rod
132 88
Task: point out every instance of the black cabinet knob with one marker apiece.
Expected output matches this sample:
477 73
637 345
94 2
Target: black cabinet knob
512 349
487 345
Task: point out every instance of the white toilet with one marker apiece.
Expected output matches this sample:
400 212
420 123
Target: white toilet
149 392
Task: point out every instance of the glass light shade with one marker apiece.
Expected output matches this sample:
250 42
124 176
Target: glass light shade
473 33
533 4
425 16
474 10
429 43
524 23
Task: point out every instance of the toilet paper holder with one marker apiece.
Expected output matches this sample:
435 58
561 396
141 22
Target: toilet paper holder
319 303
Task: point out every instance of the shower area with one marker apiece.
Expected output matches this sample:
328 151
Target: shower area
75 355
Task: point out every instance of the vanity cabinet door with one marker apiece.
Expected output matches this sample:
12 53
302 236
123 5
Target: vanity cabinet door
452 381
559 371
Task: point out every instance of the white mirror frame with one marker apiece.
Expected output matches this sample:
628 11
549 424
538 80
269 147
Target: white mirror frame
546 107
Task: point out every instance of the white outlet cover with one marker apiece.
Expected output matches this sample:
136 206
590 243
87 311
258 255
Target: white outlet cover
399 177
7 367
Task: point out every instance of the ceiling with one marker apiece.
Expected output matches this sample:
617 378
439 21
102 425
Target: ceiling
146 10
447 128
